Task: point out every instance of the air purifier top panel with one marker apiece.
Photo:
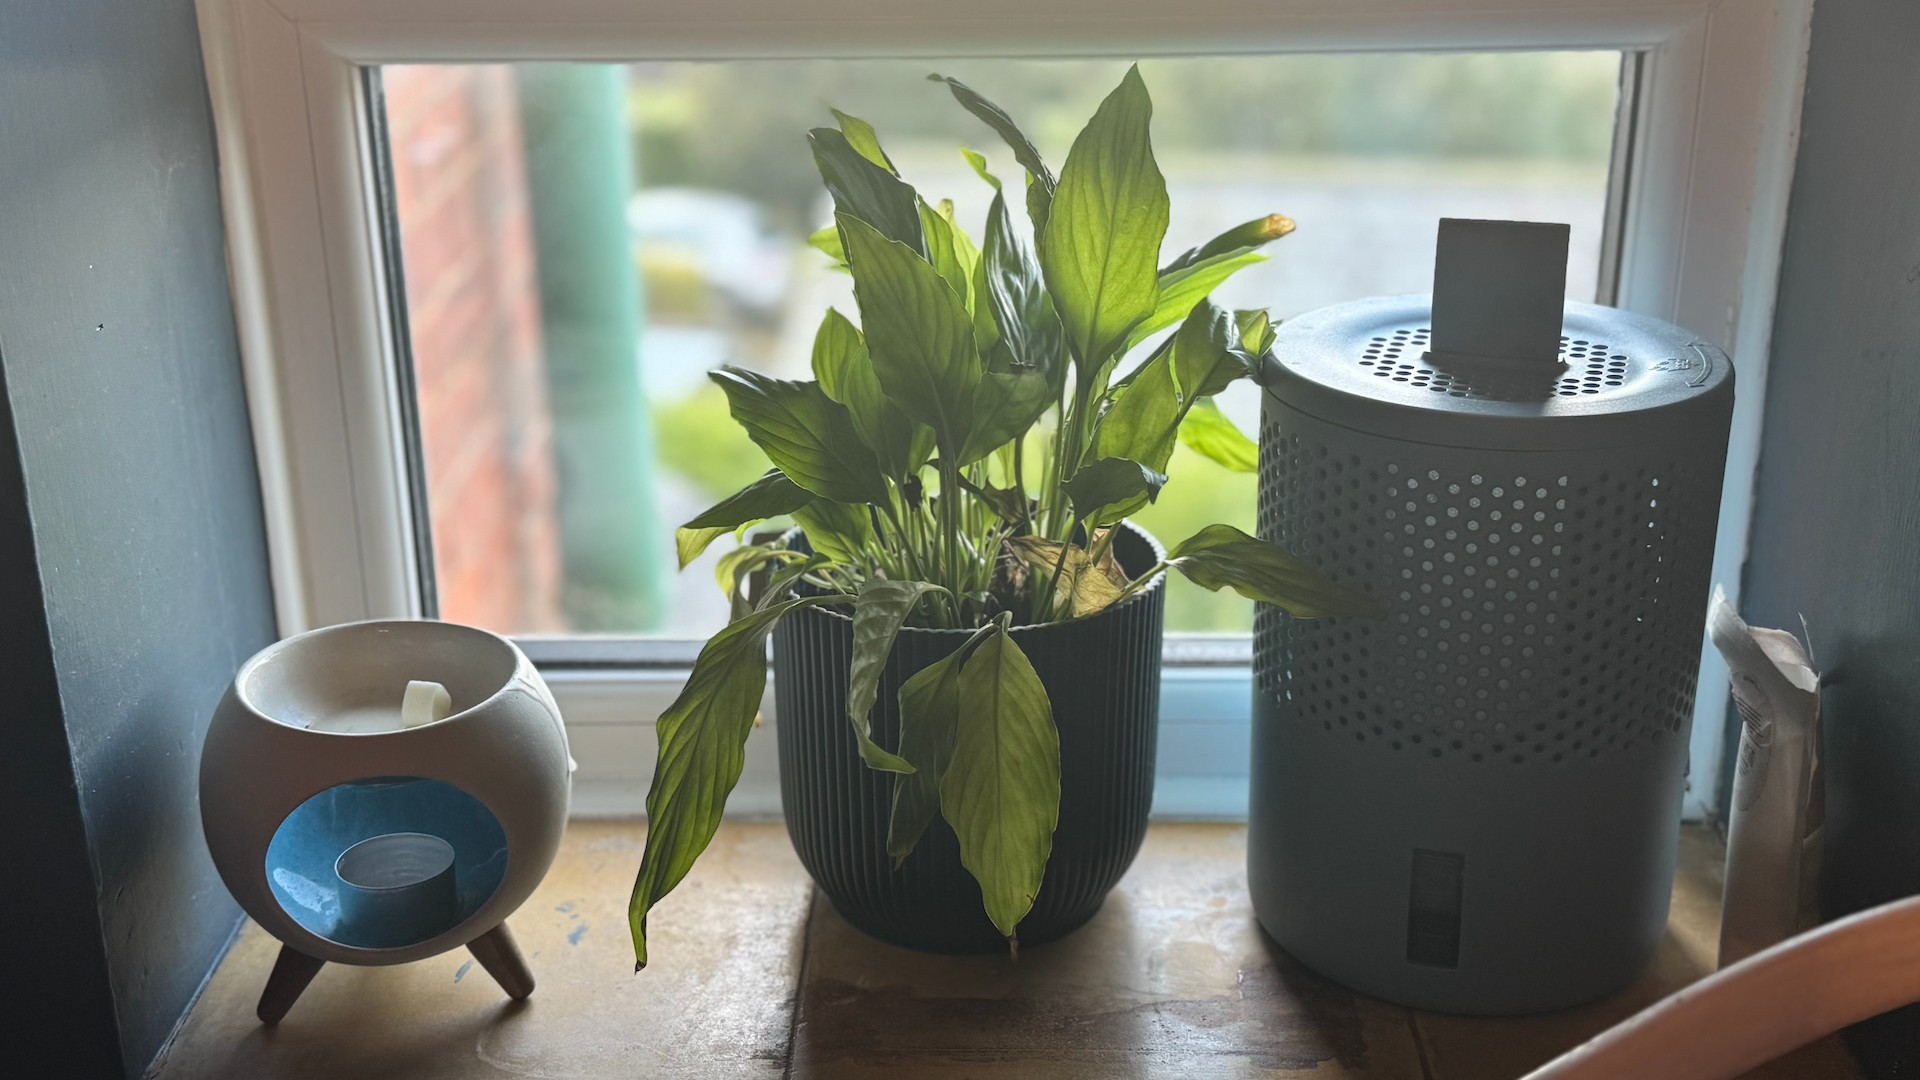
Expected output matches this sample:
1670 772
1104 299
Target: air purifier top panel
1620 378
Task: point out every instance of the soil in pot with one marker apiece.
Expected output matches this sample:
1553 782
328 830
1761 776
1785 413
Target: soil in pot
1102 674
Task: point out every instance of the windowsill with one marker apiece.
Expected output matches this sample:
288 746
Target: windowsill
752 976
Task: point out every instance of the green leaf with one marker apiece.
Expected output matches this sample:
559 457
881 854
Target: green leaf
1018 296
867 191
1001 791
1108 481
828 241
860 135
979 163
837 530
1005 405
846 374
807 434
918 333
1145 417
1040 192
929 722
1221 555
1199 360
950 252
878 614
1208 431
703 738
770 496
1182 289
1207 357
1103 234
1256 331
1242 237
1188 279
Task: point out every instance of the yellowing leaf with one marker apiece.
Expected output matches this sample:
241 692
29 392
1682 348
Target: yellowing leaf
1082 587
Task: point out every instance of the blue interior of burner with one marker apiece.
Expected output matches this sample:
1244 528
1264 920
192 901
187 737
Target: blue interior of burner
300 860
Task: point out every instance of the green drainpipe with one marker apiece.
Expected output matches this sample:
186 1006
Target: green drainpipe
579 178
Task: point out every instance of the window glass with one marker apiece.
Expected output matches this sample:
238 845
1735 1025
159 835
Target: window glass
581 243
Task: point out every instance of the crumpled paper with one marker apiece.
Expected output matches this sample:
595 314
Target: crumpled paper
1779 806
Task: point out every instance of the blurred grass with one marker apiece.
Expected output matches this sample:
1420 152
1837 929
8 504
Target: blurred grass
697 438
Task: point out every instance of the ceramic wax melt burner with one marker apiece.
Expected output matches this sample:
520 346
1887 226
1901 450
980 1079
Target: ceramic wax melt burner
380 792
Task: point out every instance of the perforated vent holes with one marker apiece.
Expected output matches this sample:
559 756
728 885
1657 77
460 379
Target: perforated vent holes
1535 616
1591 366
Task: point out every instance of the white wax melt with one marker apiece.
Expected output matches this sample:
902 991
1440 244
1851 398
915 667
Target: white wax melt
424 703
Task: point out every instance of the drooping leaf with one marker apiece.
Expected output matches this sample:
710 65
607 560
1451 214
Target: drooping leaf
1221 555
929 722
736 566
770 496
1041 188
918 334
807 434
703 738
1001 791
1242 237
1006 404
867 191
1207 430
860 135
828 241
878 614
846 374
1110 480
1082 586
1182 289
837 530
1103 234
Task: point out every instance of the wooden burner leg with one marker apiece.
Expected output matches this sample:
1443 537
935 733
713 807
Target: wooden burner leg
291 974
497 952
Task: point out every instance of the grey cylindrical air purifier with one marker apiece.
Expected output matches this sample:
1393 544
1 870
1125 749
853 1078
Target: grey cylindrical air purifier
1472 804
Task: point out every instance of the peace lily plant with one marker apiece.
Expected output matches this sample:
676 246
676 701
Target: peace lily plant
960 461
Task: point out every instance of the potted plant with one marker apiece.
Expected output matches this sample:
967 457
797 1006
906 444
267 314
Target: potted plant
960 470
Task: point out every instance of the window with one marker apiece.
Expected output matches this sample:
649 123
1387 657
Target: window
1702 164
558 220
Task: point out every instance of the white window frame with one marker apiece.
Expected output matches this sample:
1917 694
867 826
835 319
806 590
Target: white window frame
1710 163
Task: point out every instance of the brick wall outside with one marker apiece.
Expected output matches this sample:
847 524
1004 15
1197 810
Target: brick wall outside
474 309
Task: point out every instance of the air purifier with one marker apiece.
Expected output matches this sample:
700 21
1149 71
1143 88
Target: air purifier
1472 803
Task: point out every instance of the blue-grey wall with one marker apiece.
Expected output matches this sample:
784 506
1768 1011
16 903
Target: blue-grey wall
1837 529
136 505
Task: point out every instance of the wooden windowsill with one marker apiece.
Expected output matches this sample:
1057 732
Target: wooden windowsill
752 976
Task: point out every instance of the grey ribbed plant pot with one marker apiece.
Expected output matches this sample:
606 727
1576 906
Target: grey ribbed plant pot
1102 674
